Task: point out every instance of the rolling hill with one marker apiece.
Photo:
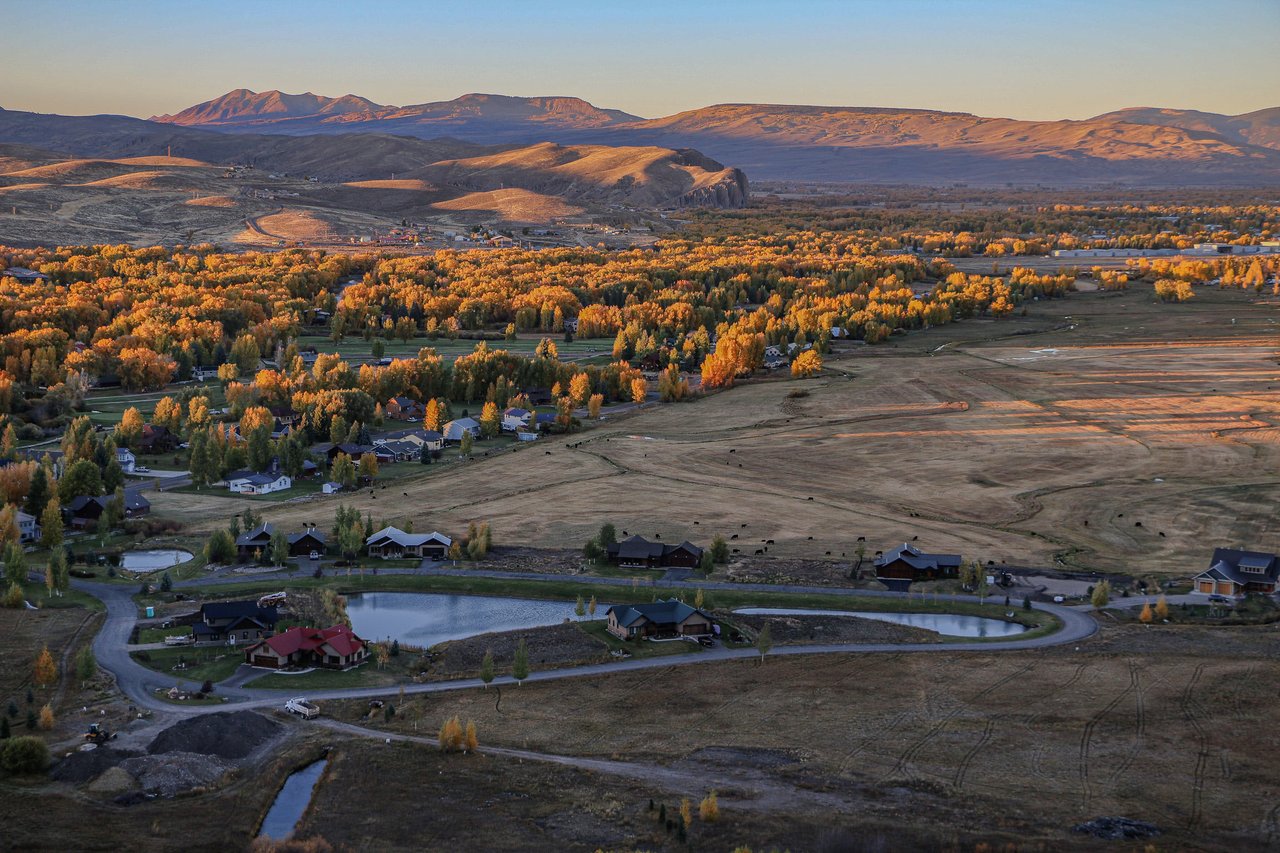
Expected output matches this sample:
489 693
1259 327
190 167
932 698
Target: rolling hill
839 144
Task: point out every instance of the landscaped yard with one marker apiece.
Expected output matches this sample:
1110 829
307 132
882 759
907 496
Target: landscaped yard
203 663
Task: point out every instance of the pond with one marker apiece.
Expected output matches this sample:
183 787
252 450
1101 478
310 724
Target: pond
291 802
153 561
425 619
948 624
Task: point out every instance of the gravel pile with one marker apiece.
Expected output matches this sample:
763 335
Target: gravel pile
80 767
115 780
175 772
228 735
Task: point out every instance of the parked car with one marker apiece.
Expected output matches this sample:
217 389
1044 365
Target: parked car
304 709
141 469
1219 599
314 555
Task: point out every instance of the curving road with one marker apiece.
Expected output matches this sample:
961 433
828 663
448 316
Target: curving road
139 683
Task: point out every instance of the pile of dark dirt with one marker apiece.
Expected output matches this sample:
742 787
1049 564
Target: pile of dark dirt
230 735
79 767
1117 828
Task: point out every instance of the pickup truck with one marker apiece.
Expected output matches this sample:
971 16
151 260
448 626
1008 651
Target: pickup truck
179 640
304 709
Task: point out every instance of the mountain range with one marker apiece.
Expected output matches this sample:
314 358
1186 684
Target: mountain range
1141 146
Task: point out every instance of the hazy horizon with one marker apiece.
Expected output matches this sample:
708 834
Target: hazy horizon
987 57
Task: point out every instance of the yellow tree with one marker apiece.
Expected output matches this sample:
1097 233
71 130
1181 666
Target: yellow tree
709 808
1146 616
579 388
46 717
806 364
470 740
46 670
593 406
490 420
368 467
1162 608
431 420
639 390
129 430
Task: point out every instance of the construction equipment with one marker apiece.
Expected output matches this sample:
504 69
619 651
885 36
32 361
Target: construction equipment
97 734
304 709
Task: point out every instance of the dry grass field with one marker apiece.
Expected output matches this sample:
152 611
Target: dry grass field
1102 432
1167 725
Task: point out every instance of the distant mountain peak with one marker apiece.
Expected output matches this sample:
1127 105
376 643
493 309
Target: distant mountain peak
245 106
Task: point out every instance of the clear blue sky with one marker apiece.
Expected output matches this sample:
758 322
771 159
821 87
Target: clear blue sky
1041 59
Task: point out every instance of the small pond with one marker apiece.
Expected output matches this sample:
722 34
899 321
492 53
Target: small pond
425 619
291 802
152 561
948 624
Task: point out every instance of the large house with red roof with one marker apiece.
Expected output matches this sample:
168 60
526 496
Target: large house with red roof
332 648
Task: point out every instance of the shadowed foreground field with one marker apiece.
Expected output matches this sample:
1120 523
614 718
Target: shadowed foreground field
1104 430
993 747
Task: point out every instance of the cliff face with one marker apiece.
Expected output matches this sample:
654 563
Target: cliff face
729 191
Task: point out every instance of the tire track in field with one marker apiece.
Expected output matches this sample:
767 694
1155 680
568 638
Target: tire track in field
1086 784
1037 754
1140 725
915 749
1190 713
965 762
1272 825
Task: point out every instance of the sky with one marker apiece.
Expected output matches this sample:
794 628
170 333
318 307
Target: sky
1032 59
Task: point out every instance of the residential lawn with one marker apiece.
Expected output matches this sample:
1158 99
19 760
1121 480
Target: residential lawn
299 488
213 663
366 675
38 594
598 629
157 635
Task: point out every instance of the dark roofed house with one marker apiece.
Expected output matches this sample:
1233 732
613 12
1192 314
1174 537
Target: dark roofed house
156 439
638 552
302 544
907 563
251 542
234 622
1235 573
659 619
405 409
84 510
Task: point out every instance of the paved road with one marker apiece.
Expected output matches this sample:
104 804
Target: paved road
140 683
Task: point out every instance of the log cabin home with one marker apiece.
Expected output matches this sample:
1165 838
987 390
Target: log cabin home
639 553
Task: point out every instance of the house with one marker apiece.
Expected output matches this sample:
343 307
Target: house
538 396
454 429
907 563
333 451
670 618
302 544
24 275
331 488
638 552
526 435
28 527
309 469
571 325
234 622
404 409
336 647
544 420
392 542
126 459
515 418
83 510
252 542
429 437
251 483
1237 573
156 439
400 450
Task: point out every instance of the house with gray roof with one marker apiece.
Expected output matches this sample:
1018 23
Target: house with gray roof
671 618
1235 573
639 553
454 429
908 563
393 543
